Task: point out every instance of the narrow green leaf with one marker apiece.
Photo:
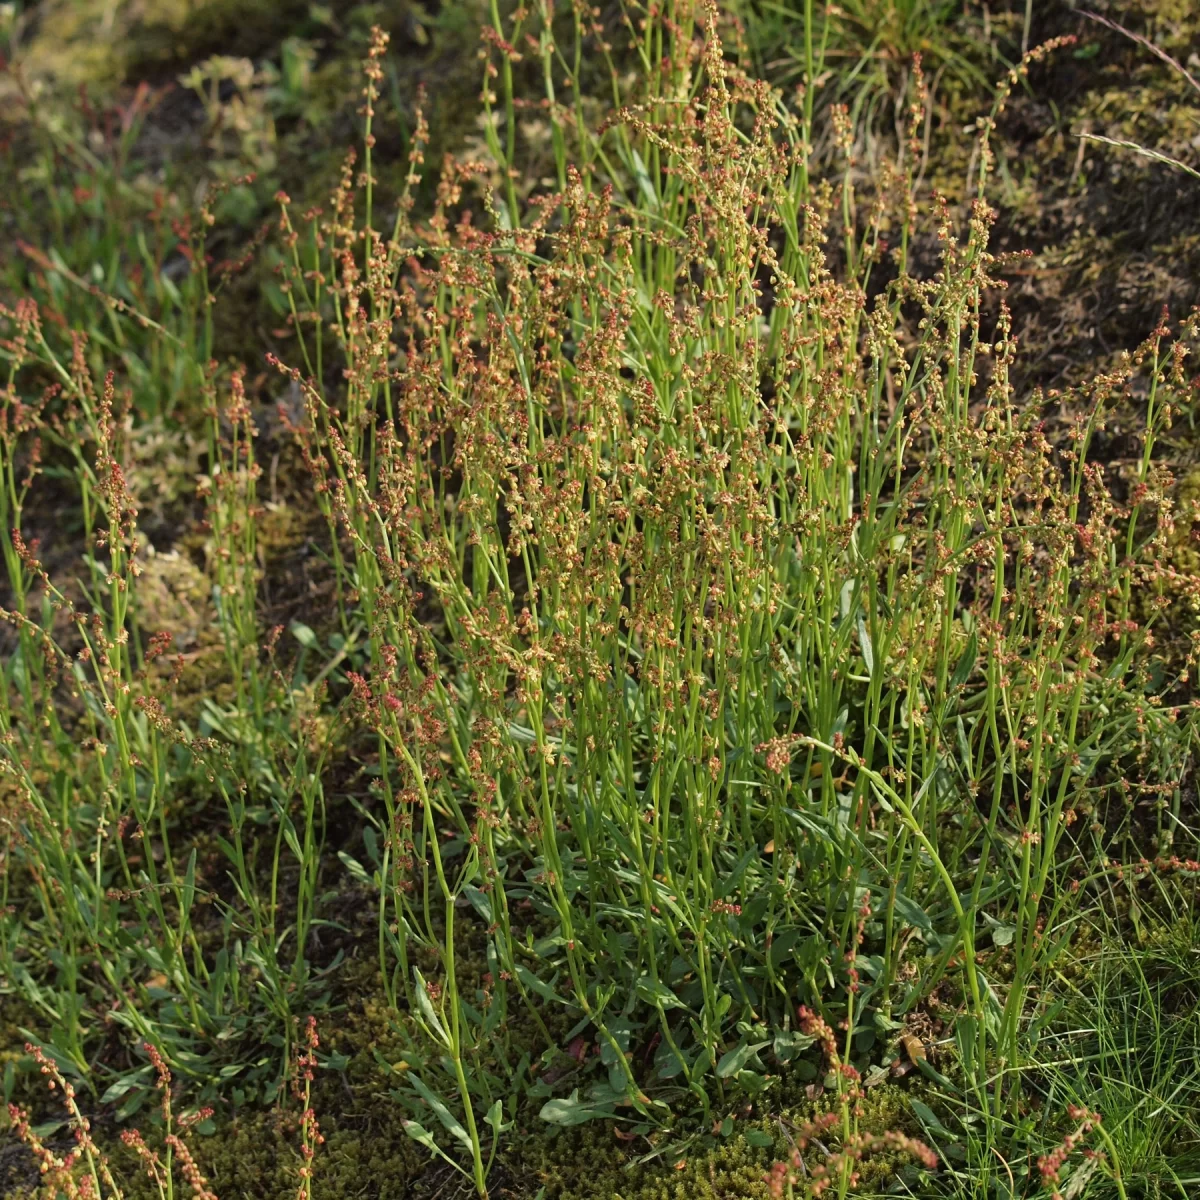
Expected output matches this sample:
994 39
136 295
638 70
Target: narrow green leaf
419 1133
125 1083
495 1118
428 1011
534 984
913 913
303 634
929 1120
571 1110
868 651
189 886
732 1061
966 663
356 869
657 994
479 901
448 1119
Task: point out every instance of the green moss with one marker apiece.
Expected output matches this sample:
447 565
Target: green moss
367 1152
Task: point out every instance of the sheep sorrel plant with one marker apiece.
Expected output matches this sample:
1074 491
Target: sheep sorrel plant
736 638
840 1169
95 763
737 675
85 1173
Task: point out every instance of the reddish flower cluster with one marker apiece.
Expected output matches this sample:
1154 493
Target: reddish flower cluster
840 1169
79 1174
1050 1165
310 1130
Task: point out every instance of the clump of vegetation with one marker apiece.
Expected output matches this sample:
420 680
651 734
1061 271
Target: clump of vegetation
725 694
85 1171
